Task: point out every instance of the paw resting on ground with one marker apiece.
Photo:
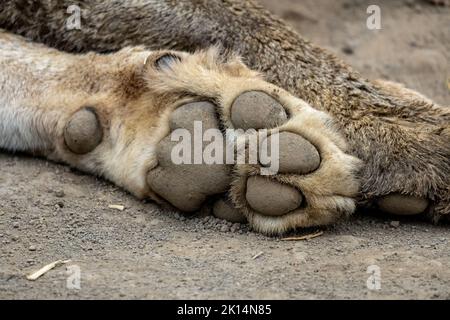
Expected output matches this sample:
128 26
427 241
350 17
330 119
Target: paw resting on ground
315 182
311 182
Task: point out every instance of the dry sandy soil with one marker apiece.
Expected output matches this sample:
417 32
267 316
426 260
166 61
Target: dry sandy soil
49 212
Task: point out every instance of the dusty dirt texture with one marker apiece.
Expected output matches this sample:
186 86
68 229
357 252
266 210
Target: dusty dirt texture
49 212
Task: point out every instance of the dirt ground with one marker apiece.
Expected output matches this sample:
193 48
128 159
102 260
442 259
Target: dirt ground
50 212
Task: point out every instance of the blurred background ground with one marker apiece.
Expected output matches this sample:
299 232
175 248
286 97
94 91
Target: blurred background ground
50 212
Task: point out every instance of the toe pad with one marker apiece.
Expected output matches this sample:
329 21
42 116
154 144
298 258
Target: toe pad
257 110
271 198
296 154
402 205
83 132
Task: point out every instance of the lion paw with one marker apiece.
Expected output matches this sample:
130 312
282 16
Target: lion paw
309 180
314 182
289 167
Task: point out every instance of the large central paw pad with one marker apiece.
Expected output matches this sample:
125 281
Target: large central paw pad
186 186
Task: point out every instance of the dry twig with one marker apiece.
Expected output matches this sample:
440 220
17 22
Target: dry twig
37 274
305 237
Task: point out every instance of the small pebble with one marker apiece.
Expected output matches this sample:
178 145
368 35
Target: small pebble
235 227
395 224
348 50
32 248
60 194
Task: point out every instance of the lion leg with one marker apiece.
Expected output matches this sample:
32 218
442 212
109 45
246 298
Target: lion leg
116 116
